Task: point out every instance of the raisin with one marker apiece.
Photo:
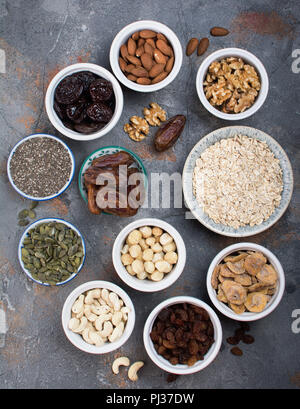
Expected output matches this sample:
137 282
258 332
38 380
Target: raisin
248 339
101 90
172 377
69 90
99 112
232 340
236 351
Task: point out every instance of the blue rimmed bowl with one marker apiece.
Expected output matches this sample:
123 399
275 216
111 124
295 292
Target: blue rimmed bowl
108 150
49 220
68 181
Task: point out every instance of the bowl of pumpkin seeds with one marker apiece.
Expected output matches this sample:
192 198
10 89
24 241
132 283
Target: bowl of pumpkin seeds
51 251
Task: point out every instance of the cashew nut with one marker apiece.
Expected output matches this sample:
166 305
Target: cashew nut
78 305
96 338
82 325
88 313
107 329
117 318
122 361
117 332
74 323
125 311
89 299
114 299
101 319
132 371
101 309
85 335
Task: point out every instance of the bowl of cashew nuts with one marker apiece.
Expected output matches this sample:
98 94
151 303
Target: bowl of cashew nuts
98 317
149 255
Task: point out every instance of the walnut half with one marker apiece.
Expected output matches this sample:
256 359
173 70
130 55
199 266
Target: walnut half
138 128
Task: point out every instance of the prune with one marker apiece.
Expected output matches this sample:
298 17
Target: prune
69 90
99 112
60 110
77 112
88 127
101 90
87 78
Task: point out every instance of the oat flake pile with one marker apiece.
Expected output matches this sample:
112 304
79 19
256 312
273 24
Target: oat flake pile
238 181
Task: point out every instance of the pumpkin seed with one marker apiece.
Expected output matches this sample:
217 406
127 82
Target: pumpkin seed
31 214
23 213
23 222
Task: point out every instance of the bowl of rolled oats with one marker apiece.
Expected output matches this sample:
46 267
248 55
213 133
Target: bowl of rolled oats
237 181
232 84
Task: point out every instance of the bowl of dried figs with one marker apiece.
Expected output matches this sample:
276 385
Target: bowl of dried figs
232 84
245 281
84 101
146 56
182 335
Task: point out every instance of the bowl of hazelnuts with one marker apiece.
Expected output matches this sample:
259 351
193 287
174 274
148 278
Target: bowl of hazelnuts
146 56
149 255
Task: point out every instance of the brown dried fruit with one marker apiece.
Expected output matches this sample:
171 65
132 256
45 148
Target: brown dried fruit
218 31
232 340
203 46
236 351
234 292
248 339
169 132
256 302
191 46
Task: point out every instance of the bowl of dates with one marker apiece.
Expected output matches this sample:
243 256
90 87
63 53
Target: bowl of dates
182 335
84 101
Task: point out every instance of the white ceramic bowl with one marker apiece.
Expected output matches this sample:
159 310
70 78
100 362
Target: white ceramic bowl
180 369
248 58
76 339
48 220
148 285
271 305
122 37
56 121
66 185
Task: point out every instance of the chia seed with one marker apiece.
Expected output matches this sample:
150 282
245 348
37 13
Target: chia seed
40 167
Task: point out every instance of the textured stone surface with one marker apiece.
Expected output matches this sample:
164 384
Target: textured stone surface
41 37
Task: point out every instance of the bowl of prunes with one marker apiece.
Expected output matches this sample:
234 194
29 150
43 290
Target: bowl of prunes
84 101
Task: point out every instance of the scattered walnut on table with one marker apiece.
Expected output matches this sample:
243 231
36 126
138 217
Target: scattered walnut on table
155 114
138 128
231 85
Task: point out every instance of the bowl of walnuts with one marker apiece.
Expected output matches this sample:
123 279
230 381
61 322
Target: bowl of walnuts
149 255
232 84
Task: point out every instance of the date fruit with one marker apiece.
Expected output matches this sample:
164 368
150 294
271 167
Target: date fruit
169 132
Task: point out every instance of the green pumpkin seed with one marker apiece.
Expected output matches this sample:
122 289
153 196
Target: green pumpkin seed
31 214
23 213
23 222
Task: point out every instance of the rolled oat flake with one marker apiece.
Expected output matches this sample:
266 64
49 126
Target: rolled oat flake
40 167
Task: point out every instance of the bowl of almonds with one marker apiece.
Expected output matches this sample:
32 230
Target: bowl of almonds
245 281
146 56
149 255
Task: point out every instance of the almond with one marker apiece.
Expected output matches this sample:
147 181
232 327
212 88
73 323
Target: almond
122 64
203 46
148 49
135 36
151 42
139 72
147 34
164 47
219 31
129 67
131 46
143 81
147 61
134 60
141 41
160 36
132 77
124 52
169 64
140 51
160 77
191 46
156 70
159 57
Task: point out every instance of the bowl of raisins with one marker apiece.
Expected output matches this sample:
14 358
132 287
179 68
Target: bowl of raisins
84 101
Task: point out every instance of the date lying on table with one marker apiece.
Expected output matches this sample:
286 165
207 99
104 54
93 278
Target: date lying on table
169 132
114 185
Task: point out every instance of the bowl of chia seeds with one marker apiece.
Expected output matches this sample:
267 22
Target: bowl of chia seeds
40 167
51 251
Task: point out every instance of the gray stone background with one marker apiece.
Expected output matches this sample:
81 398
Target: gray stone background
40 38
